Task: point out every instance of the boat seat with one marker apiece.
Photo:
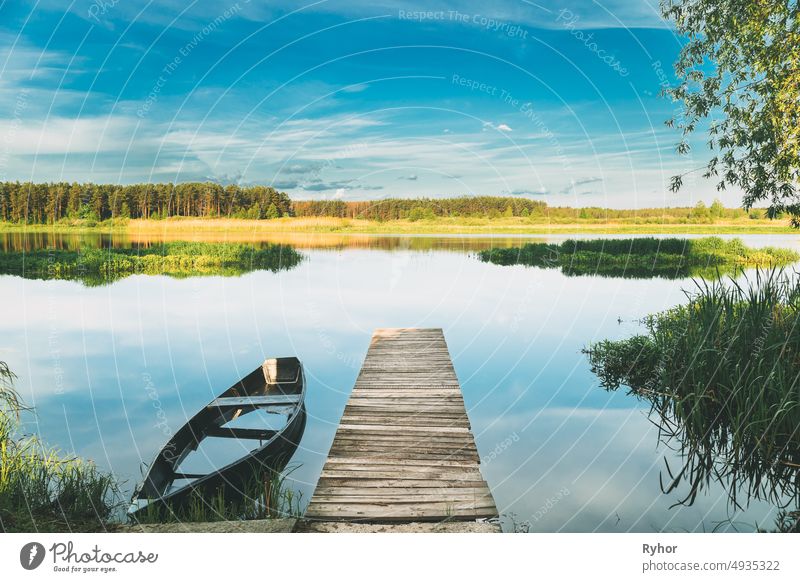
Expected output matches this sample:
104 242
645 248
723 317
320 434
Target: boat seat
241 433
177 475
279 374
271 401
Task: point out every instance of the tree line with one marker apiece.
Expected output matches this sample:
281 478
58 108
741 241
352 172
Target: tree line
51 202
48 203
420 208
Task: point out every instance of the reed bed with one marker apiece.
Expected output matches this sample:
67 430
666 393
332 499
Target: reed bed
722 376
42 490
642 257
266 496
175 259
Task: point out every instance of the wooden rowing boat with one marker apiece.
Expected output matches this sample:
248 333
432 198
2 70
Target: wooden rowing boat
275 388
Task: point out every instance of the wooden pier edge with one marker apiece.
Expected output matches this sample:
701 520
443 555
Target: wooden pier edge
404 451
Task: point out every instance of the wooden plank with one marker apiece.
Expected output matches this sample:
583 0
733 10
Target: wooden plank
367 399
390 441
400 412
353 464
403 450
413 421
402 493
367 429
389 482
386 445
255 401
383 510
241 433
375 394
406 406
404 409
400 480
382 416
370 512
362 451
465 500
369 456
450 476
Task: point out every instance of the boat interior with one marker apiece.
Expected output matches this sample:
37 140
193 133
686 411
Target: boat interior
248 419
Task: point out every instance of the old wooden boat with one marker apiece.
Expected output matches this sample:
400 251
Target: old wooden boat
277 388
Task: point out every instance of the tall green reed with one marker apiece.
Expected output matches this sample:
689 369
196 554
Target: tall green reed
722 376
267 495
41 489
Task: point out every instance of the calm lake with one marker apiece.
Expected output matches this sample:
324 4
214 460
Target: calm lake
111 369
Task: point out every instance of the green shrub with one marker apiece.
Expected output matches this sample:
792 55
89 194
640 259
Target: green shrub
421 213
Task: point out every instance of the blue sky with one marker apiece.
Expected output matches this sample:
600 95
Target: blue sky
350 100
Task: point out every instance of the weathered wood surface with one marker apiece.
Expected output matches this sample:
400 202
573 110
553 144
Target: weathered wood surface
404 450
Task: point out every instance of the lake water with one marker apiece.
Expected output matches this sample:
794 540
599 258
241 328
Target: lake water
557 450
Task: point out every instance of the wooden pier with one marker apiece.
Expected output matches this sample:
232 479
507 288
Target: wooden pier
404 451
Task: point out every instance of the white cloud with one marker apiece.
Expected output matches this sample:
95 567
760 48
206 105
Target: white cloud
363 151
58 135
355 88
608 14
34 81
498 127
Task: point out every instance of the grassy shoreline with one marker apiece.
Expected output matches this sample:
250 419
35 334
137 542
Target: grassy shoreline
449 226
42 488
645 257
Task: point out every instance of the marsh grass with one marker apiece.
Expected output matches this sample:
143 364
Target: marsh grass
42 490
787 522
97 266
266 496
722 377
181 226
642 257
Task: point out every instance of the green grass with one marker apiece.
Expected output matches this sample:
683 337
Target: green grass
41 489
641 257
96 266
722 375
267 496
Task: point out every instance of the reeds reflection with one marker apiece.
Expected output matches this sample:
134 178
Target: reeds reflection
722 377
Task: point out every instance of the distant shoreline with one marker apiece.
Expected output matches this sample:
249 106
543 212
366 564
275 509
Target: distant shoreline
448 226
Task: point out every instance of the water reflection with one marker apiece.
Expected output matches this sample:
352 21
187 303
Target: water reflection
90 359
720 375
99 266
31 241
642 258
